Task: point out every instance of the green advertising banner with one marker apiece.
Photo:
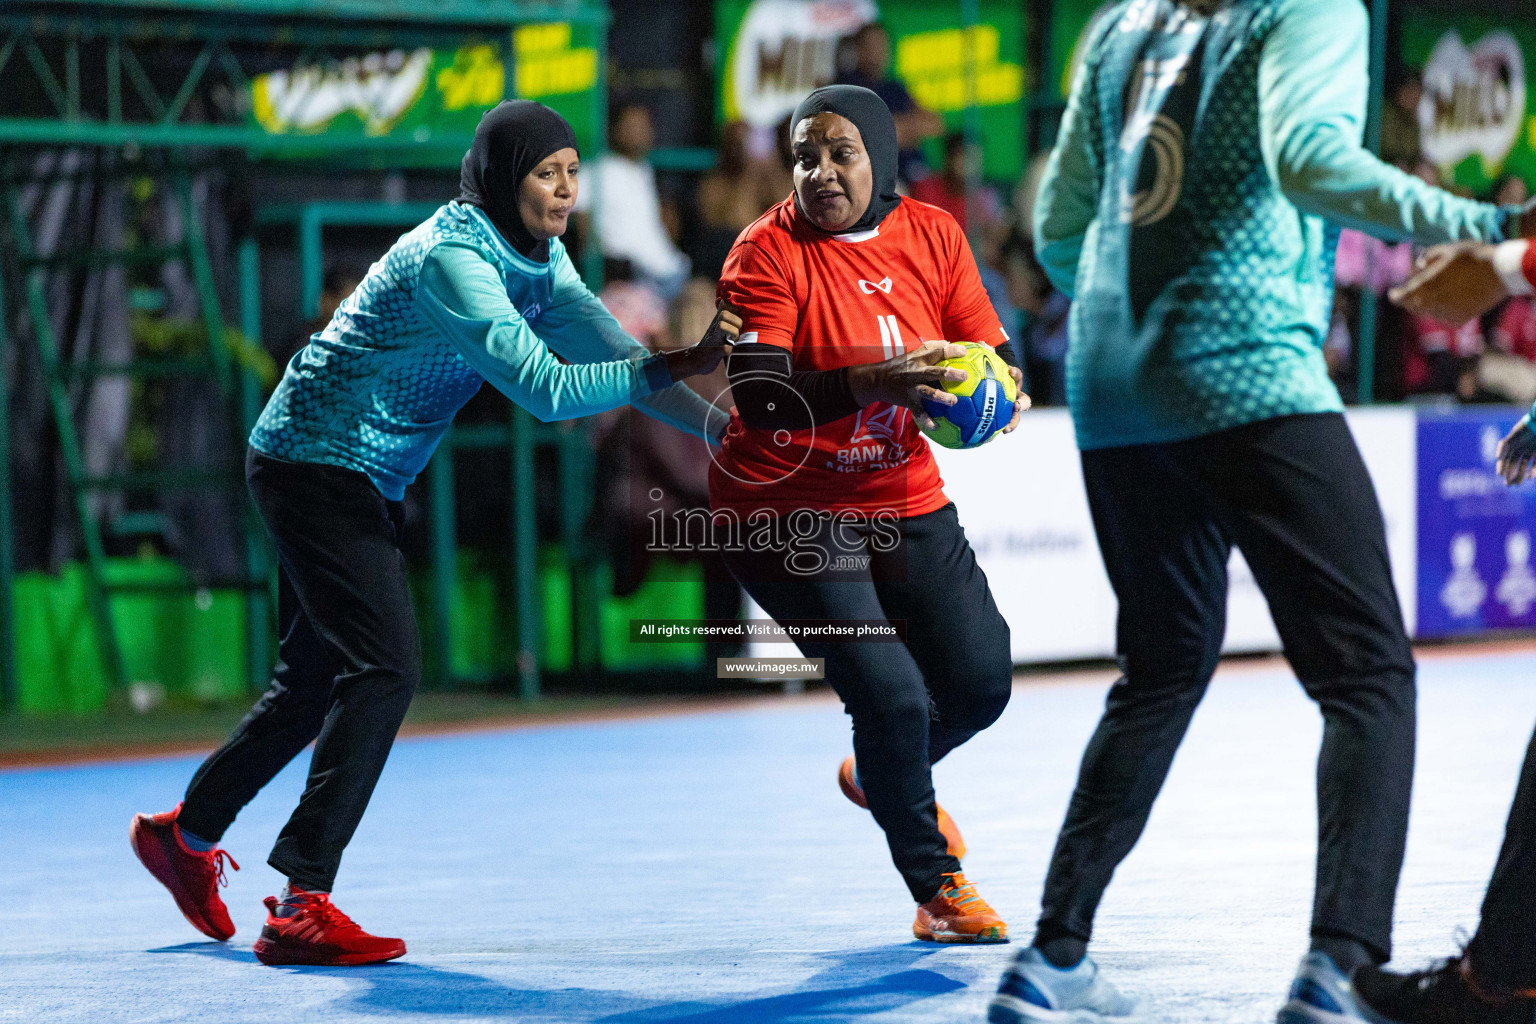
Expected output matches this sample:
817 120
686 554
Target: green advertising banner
1070 22
1477 117
422 95
773 52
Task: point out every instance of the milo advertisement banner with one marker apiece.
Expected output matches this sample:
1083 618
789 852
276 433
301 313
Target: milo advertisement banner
424 95
1477 117
771 53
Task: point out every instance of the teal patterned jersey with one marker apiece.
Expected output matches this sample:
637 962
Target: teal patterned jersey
1192 203
447 308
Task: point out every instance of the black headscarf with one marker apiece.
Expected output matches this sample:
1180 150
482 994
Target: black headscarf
511 140
872 118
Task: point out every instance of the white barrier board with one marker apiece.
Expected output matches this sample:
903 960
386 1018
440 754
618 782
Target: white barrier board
1022 504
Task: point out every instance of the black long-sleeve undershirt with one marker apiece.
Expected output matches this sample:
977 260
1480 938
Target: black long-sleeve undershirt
764 385
771 395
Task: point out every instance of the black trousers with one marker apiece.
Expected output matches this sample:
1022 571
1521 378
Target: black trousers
1293 494
1503 952
912 702
348 663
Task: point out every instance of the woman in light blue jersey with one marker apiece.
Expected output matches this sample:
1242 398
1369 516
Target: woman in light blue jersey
481 291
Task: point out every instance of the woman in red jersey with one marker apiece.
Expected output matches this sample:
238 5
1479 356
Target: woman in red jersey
849 295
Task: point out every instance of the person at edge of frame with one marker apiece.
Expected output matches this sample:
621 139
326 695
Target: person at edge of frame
1493 980
1209 154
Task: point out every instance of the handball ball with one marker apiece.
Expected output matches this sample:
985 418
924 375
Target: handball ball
985 405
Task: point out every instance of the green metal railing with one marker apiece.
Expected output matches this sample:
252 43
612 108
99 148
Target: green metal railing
215 364
519 437
9 696
89 64
438 14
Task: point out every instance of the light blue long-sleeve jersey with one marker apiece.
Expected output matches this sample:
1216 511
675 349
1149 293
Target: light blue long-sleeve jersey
1191 207
449 307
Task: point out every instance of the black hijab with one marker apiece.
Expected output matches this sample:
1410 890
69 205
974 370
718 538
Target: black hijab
513 138
872 118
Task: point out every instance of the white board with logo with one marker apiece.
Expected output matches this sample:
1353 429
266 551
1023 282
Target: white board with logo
1022 503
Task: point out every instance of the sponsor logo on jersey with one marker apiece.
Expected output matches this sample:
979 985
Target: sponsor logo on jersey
879 422
870 287
875 440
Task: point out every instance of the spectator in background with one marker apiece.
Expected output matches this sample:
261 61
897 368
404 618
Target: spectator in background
1339 345
638 462
1442 360
637 307
1507 371
991 265
1511 190
739 190
1362 262
1359 256
1400 119
981 210
871 69
1514 330
337 283
1043 309
626 209
947 189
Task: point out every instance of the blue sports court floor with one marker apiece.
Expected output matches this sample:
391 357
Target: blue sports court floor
704 869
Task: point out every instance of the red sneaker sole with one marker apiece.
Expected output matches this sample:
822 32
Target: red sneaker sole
280 954
152 855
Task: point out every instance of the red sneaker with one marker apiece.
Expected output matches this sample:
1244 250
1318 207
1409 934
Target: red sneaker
192 877
852 790
320 934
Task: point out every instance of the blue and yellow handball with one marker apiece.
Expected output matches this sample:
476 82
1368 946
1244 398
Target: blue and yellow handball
985 405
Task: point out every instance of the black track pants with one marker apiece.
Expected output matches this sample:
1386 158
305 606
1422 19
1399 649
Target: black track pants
1293 494
348 663
1503 952
913 702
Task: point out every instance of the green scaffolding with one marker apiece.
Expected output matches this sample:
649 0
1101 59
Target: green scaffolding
93 66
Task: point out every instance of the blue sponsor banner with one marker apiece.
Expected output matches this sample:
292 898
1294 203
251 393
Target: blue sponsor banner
1475 533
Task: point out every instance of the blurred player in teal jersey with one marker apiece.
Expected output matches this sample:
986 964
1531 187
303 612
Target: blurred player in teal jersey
1208 155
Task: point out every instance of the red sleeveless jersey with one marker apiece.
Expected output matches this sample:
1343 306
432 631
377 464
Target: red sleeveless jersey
841 300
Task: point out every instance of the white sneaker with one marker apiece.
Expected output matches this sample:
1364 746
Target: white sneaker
1321 994
1034 989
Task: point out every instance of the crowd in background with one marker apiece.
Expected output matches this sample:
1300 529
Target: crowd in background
663 244
661 252
1492 359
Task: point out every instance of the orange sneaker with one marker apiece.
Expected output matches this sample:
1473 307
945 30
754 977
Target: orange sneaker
851 789
958 914
320 934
